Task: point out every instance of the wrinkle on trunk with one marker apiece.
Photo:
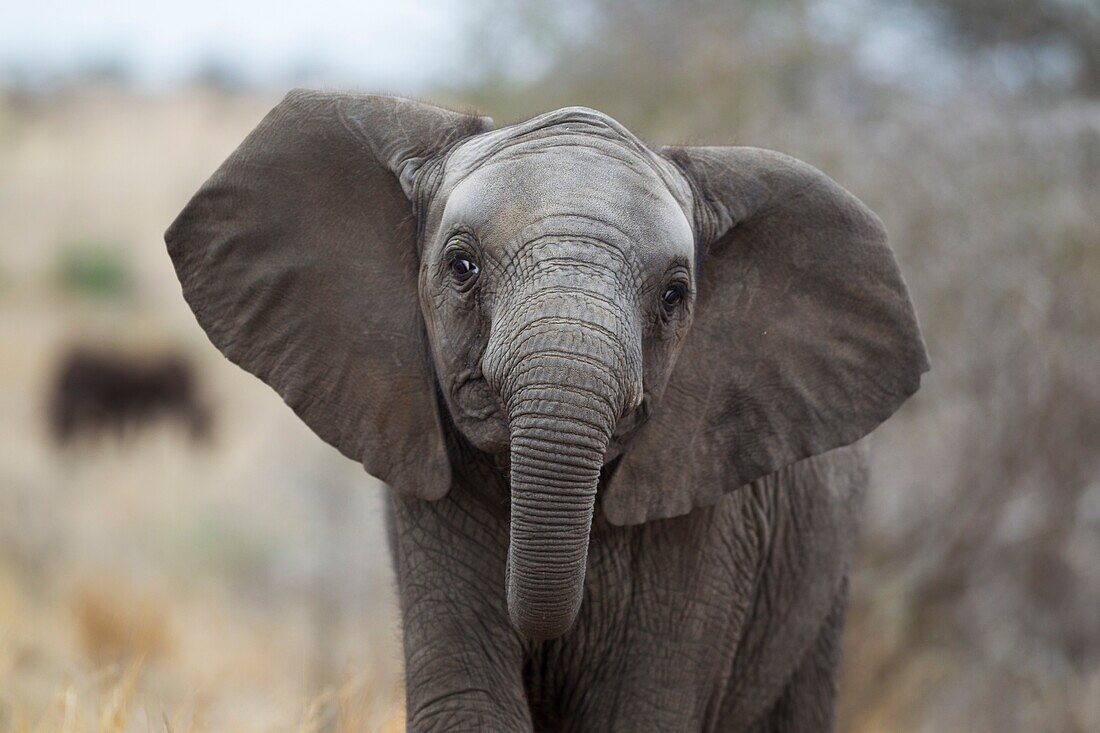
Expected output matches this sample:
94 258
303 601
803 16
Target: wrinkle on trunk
567 366
555 468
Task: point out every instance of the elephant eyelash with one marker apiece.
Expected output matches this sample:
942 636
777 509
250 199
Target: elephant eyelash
464 268
461 265
674 296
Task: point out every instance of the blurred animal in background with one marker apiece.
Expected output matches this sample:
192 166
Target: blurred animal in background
96 391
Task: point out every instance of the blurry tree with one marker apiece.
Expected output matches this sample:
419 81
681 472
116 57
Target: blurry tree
220 74
109 69
1039 33
645 61
95 269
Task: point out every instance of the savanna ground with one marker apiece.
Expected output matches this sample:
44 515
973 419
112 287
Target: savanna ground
241 583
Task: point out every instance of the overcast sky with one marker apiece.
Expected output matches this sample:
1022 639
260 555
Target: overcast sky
399 43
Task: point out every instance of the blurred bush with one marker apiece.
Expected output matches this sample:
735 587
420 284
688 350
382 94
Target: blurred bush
95 268
118 624
1051 40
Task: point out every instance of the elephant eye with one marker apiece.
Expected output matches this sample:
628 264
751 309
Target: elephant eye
463 268
673 296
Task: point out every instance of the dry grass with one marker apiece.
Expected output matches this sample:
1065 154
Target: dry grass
111 706
117 624
357 704
107 707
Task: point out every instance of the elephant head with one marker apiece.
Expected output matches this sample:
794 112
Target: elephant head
682 320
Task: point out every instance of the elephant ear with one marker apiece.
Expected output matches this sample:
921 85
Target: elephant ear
298 257
803 339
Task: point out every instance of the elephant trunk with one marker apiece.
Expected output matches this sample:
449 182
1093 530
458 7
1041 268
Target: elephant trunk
555 468
566 371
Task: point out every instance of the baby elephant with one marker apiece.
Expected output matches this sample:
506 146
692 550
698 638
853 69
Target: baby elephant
610 387
96 391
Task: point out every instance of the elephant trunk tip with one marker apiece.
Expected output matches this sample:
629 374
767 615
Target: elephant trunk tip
540 629
537 623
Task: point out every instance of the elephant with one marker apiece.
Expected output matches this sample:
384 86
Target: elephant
97 391
616 393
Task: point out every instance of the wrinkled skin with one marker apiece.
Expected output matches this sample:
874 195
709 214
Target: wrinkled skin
561 323
725 619
614 392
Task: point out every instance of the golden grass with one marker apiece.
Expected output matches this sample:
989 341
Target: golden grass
105 711
355 706
358 704
116 624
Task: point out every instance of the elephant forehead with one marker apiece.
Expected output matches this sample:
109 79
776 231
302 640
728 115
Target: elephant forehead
569 185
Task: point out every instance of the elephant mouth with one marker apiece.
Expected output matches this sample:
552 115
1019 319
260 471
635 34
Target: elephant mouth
628 426
478 413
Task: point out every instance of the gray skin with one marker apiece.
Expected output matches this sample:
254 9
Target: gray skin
614 391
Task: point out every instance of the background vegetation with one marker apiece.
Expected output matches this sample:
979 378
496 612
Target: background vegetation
153 582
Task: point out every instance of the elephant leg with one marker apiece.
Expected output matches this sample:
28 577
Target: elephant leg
463 661
808 701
